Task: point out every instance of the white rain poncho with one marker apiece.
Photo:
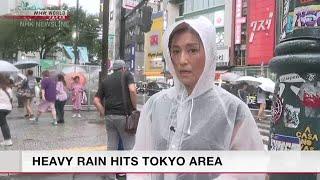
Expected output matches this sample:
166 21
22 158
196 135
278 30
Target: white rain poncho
209 118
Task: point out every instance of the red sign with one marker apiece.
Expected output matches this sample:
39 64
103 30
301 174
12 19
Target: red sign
154 40
261 31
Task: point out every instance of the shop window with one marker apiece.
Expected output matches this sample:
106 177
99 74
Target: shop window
111 15
211 3
244 28
181 9
189 6
240 57
244 11
243 39
219 2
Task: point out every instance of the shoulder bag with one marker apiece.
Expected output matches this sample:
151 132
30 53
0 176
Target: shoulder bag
132 119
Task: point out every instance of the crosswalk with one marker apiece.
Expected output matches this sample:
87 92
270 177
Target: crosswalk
264 129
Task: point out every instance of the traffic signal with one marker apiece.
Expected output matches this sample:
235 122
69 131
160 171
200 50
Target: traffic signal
146 21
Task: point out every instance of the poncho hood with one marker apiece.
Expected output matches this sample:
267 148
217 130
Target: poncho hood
207 34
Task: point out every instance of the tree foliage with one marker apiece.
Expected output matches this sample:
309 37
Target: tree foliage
25 36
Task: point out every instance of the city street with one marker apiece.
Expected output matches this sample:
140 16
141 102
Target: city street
83 134
77 134
265 53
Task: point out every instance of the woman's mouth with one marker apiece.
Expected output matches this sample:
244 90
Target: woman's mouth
185 73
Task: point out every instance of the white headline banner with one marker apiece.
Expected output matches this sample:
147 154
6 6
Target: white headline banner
171 161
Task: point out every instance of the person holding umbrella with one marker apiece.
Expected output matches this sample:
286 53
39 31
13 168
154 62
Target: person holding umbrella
261 100
77 95
242 93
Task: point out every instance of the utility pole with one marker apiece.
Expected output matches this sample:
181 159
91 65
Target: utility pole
105 35
296 104
75 47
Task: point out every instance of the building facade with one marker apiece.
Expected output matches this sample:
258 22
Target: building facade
253 36
154 66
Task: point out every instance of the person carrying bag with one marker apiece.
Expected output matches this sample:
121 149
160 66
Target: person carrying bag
132 118
116 101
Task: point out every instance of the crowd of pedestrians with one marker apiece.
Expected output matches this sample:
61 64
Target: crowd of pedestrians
53 96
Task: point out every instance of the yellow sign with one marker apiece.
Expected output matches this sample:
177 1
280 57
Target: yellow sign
307 139
153 55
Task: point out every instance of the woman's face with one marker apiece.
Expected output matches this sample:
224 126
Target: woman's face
188 57
76 80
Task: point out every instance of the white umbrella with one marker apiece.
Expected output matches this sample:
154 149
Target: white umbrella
26 64
6 67
248 79
22 76
267 84
229 76
267 87
72 69
265 80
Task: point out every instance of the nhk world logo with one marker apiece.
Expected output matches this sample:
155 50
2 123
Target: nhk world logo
40 18
61 15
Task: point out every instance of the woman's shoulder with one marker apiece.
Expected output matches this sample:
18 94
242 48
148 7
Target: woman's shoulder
164 95
226 96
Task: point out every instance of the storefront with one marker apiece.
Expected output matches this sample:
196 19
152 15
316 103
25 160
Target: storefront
254 37
153 56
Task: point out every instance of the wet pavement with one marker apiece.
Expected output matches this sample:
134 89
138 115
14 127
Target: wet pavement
75 132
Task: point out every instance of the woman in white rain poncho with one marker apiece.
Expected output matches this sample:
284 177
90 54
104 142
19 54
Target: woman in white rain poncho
194 114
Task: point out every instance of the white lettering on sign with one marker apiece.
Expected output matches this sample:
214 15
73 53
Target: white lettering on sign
222 57
291 78
260 25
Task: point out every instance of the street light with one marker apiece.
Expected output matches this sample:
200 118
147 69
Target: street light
74 35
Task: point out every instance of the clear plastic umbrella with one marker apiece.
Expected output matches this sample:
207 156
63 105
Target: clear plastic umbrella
267 84
249 79
229 76
6 67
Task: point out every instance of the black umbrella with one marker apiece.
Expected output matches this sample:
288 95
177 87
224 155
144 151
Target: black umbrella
26 64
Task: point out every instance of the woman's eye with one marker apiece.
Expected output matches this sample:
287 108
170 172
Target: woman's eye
194 50
175 51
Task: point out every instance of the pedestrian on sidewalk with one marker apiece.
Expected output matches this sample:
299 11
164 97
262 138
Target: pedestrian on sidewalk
110 90
61 98
115 110
243 92
30 84
26 93
48 94
261 100
194 114
5 108
77 94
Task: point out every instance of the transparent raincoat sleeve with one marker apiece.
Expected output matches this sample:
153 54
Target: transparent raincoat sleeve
143 138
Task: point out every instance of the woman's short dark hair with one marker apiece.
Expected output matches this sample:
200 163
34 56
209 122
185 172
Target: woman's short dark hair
76 77
61 78
183 27
45 73
30 72
4 82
